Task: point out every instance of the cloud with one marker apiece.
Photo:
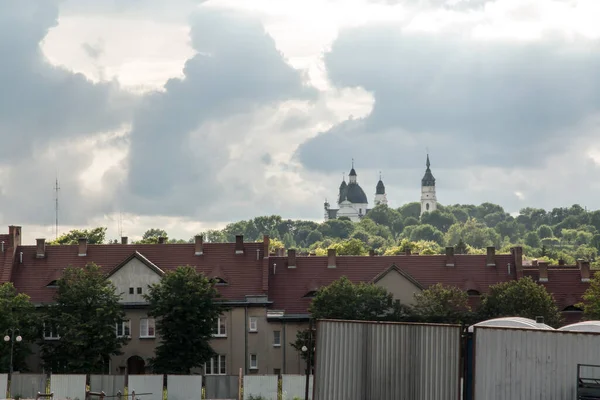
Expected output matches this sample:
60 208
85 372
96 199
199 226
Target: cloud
472 102
175 156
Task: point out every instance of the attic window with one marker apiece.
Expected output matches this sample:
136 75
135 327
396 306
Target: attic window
53 284
220 281
572 308
473 293
310 294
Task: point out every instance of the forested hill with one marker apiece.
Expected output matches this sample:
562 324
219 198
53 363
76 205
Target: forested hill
562 233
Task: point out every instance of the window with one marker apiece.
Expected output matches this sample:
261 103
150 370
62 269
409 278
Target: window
51 332
53 284
216 366
220 281
130 290
253 324
139 290
310 294
473 292
253 361
220 329
123 329
147 328
277 371
277 338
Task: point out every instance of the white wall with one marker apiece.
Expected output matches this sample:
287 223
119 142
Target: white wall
134 274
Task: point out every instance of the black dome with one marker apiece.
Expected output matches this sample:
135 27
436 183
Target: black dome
355 194
342 193
380 188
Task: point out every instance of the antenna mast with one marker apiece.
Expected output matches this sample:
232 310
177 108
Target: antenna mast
56 189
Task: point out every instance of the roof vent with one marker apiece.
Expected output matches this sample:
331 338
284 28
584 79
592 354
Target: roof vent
539 319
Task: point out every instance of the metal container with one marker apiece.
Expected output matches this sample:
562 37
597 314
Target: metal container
358 360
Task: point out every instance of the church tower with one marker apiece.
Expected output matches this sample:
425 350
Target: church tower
428 199
380 197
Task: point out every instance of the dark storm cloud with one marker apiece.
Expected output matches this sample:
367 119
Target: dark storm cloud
472 103
174 158
40 103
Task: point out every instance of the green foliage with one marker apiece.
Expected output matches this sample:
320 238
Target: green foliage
519 298
16 312
442 304
94 236
186 307
591 299
85 313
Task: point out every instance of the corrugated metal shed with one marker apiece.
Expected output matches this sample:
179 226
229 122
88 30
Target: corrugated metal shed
527 364
386 361
512 322
585 326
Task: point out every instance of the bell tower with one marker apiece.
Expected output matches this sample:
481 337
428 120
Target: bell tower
428 198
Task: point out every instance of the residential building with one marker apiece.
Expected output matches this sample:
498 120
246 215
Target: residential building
269 295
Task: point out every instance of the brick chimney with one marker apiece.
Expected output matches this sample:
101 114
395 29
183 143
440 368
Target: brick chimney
331 258
449 256
124 240
407 252
490 259
239 244
14 236
266 243
198 245
372 253
543 268
517 256
40 251
534 263
82 247
291 258
162 240
561 262
584 269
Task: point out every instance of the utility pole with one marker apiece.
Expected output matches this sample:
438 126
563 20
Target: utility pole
56 189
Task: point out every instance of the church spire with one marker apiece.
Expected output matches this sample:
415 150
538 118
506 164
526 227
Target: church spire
428 197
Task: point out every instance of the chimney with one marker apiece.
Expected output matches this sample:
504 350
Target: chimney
449 256
40 251
281 252
407 251
82 247
543 268
124 240
14 236
561 262
198 245
266 243
517 255
330 258
291 258
584 269
534 263
239 244
539 319
372 253
490 259
162 240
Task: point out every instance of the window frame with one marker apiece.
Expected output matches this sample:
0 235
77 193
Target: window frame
278 336
221 321
220 366
54 335
147 331
124 324
255 357
253 320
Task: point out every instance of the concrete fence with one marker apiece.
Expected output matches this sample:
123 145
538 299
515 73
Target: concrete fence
152 387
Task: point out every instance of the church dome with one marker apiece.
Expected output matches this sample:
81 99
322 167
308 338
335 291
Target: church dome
355 194
428 179
380 187
342 193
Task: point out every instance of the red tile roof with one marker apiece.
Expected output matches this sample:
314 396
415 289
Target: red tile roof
243 271
288 286
564 283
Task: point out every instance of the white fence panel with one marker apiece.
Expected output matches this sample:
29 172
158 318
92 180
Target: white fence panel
152 384
70 387
27 385
295 386
3 384
109 384
265 386
184 387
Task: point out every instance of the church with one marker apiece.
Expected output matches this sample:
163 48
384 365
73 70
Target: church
353 203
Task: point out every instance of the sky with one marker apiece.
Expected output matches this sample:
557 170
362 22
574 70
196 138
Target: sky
187 115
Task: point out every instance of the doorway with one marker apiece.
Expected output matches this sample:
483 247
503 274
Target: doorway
136 365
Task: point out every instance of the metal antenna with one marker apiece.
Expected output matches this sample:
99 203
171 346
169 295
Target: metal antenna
56 189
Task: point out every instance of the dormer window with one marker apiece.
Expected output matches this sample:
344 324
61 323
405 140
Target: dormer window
473 293
53 284
220 281
572 308
310 294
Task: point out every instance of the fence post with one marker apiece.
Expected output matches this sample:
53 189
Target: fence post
240 387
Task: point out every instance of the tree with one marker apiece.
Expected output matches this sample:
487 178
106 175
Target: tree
520 298
16 312
591 299
94 236
427 233
152 236
350 247
440 220
186 306
84 315
544 231
442 304
532 239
